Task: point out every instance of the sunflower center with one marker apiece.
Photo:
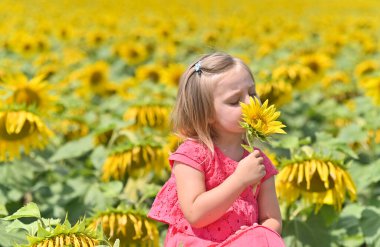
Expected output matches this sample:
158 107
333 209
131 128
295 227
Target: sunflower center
27 47
154 76
26 96
133 53
96 78
263 120
316 184
98 39
294 78
314 66
368 70
26 130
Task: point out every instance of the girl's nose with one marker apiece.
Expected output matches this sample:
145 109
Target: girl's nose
246 99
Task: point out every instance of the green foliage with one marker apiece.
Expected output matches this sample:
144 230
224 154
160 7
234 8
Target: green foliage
64 179
73 149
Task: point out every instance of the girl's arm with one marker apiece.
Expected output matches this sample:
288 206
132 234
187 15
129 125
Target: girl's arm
201 207
269 210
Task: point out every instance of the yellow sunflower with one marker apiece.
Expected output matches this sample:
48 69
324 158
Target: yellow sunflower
26 44
151 72
65 235
339 86
317 181
277 92
173 142
47 71
103 136
266 47
135 160
94 79
96 38
210 37
260 120
375 134
64 31
155 116
132 228
338 77
133 53
172 74
317 62
21 130
370 46
30 93
72 128
166 52
71 56
366 68
299 76
371 88
124 89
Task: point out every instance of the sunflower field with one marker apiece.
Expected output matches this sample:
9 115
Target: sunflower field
87 88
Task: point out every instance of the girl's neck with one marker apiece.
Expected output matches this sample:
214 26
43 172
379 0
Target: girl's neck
228 144
230 147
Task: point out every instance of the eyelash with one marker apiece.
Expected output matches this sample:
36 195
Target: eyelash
236 103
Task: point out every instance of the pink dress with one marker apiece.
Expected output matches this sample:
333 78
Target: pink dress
222 232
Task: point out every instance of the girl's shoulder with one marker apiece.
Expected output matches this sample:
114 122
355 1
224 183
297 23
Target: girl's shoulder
192 146
193 153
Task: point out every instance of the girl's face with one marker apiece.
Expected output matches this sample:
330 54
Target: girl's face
233 87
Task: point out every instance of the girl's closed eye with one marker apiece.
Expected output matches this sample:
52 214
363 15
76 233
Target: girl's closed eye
234 102
254 94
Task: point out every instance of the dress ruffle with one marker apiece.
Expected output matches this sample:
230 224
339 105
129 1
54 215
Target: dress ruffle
166 208
217 168
256 235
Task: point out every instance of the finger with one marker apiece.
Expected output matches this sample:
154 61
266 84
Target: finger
260 160
256 153
262 167
263 172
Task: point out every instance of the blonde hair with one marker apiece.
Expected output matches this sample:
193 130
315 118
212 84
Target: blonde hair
194 108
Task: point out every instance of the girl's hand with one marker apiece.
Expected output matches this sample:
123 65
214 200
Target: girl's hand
242 228
251 169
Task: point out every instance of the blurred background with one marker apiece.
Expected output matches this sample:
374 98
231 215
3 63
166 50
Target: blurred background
87 88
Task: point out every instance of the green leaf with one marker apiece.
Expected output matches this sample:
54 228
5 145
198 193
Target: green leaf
3 210
17 225
352 133
98 156
94 196
10 238
29 210
111 189
74 149
365 175
248 148
347 150
370 224
311 233
287 142
328 214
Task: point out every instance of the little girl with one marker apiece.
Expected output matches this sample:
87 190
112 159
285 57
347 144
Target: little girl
218 193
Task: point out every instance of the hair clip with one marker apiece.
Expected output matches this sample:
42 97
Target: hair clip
198 67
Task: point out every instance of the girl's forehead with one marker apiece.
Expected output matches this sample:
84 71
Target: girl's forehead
235 78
